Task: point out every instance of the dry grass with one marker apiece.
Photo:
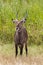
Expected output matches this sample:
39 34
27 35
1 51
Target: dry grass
7 56
30 60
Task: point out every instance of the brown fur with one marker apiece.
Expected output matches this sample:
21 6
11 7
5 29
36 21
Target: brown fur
20 37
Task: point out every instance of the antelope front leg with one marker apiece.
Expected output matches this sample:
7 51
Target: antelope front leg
16 50
21 49
26 49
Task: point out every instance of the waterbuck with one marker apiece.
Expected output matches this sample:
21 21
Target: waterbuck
20 36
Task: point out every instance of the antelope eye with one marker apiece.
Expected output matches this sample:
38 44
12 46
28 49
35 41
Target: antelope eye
16 28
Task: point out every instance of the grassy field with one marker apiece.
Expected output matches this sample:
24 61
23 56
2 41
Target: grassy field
7 55
17 9
9 49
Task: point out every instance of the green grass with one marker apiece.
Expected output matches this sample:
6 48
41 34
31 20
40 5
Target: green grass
17 9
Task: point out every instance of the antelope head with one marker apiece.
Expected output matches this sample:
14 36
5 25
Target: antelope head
19 23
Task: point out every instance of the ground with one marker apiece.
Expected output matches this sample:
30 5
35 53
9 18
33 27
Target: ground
21 60
7 56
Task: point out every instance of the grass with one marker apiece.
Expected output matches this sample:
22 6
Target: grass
9 50
7 55
17 9
34 24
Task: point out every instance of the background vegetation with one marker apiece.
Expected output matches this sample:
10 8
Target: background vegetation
17 9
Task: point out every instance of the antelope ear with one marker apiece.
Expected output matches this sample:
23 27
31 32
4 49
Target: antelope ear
15 21
23 20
